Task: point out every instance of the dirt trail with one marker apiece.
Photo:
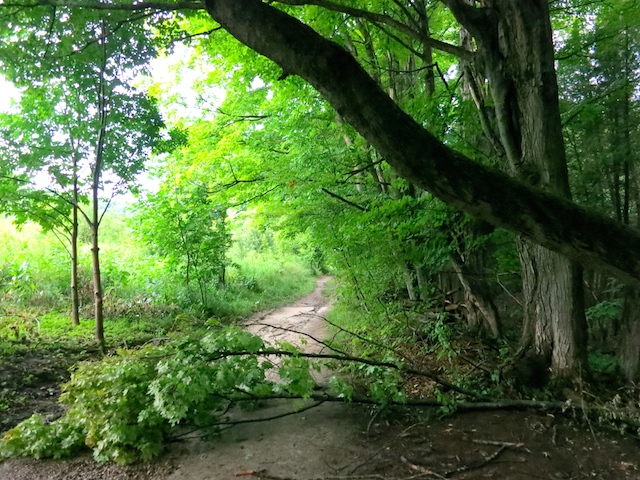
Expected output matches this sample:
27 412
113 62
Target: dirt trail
338 441
319 441
299 323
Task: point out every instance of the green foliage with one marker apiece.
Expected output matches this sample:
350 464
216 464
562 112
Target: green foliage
183 226
144 295
608 310
604 319
53 129
125 406
603 363
383 384
32 265
36 438
437 331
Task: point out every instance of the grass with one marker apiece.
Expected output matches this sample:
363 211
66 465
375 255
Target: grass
260 281
143 300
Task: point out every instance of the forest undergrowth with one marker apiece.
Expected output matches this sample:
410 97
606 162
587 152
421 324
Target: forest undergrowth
176 366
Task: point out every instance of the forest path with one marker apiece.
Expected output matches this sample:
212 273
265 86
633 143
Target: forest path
301 323
317 442
342 442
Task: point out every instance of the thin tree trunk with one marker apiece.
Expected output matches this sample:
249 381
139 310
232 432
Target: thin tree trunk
481 310
423 282
75 297
97 288
98 300
409 283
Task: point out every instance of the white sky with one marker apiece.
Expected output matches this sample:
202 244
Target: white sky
179 77
7 93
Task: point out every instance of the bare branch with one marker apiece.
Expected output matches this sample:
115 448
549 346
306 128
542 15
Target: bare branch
379 18
360 170
342 199
224 186
198 34
260 195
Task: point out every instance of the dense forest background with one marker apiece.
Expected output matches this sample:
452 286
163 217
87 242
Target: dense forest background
160 181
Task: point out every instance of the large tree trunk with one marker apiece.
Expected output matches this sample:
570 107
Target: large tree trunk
417 155
98 300
554 289
516 52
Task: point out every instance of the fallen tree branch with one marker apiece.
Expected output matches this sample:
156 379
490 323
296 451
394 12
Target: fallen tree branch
360 337
321 397
298 332
372 476
419 468
231 423
496 443
486 461
348 358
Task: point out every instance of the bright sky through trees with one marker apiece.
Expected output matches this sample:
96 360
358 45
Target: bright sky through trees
7 93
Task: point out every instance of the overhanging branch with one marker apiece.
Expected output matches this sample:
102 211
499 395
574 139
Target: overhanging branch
379 18
419 156
344 200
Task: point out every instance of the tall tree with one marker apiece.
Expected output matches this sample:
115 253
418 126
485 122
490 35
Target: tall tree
509 34
598 66
543 218
90 127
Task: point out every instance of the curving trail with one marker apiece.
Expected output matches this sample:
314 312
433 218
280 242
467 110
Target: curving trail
342 442
318 442
299 323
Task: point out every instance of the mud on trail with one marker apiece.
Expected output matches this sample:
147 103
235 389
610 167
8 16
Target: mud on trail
341 442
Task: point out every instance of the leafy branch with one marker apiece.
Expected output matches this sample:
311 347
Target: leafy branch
382 19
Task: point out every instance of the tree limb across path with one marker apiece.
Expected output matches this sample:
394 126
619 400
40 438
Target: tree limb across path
417 155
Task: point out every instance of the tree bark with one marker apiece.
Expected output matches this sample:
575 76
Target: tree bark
629 350
98 308
516 51
75 297
477 298
539 216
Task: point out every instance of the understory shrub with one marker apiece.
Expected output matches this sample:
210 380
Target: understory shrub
125 407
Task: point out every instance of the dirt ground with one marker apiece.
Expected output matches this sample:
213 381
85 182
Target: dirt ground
341 442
